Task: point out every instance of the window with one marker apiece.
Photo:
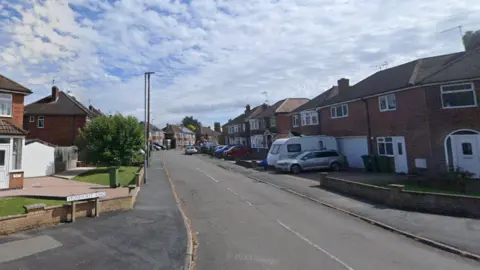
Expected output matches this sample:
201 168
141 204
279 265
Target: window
387 103
41 122
243 127
262 123
31 119
273 122
325 154
295 121
17 153
458 96
309 156
254 125
236 128
309 118
400 148
2 158
5 105
467 149
339 111
294 147
4 140
385 146
257 141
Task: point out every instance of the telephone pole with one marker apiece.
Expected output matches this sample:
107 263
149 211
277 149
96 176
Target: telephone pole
148 117
145 145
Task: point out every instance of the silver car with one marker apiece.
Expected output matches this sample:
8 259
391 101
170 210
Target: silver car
312 160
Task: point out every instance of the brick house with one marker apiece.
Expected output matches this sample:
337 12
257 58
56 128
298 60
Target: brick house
423 113
182 135
206 134
57 118
236 131
272 123
12 134
156 134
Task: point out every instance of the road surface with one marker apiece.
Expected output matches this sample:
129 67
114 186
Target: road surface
243 224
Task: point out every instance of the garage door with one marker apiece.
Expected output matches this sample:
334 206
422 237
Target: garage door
353 148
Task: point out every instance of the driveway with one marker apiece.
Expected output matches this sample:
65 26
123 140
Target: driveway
244 224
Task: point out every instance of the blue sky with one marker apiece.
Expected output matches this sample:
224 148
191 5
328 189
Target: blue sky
213 57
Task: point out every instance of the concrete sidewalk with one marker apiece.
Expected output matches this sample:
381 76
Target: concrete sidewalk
152 236
462 233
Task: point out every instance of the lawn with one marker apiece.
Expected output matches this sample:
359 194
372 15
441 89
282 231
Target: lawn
14 205
126 176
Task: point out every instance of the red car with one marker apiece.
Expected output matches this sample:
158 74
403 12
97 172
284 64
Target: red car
237 151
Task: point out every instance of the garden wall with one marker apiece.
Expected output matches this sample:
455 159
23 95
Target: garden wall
396 197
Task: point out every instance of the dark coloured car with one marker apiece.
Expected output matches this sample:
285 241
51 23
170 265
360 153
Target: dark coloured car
237 151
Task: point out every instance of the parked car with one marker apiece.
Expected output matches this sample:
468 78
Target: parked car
212 149
237 151
312 160
162 147
219 151
289 147
205 147
190 150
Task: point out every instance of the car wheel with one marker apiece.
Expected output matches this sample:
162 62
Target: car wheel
335 166
295 169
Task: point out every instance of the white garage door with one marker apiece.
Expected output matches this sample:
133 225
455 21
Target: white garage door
353 148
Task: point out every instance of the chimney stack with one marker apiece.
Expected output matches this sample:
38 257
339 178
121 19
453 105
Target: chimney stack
55 93
343 84
90 107
247 109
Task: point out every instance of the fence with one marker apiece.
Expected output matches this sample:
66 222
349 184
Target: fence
66 157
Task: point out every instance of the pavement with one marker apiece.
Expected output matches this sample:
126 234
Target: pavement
152 236
244 224
462 233
50 186
71 173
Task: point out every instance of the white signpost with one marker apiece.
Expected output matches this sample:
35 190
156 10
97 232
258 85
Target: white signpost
83 197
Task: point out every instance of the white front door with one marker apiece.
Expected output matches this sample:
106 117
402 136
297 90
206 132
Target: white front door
467 153
4 158
401 164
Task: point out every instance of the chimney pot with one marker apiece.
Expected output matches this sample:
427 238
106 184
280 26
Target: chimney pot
90 107
247 108
55 93
343 84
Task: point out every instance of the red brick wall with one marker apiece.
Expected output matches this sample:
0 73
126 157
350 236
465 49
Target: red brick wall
283 123
17 110
353 125
409 120
305 130
445 121
58 130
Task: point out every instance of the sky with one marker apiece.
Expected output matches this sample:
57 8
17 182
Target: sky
212 57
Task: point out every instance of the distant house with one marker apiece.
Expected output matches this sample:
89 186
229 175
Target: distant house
57 118
182 135
156 134
12 134
205 134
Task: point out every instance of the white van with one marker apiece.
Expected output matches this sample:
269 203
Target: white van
285 148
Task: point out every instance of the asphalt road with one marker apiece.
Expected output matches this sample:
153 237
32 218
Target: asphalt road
152 236
243 224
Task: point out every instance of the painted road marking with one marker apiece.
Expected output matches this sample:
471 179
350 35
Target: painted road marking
249 203
22 248
208 175
231 190
255 258
314 245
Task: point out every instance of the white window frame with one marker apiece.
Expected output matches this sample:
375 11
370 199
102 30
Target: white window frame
273 121
257 141
472 89
333 111
41 118
243 127
31 119
383 140
8 99
295 121
254 124
236 128
387 99
307 118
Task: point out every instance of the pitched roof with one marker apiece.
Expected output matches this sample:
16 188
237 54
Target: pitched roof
7 84
283 106
7 128
171 129
152 127
256 111
318 100
432 69
64 105
208 131
242 117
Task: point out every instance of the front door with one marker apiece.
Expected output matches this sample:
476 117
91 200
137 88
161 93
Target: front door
4 154
467 156
401 164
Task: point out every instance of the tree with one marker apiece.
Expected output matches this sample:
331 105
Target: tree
471 40
111 140
217 127
191 123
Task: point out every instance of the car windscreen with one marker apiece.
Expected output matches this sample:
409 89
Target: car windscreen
275 149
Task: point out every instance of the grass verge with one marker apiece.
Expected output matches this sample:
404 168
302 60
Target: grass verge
14 205
126 176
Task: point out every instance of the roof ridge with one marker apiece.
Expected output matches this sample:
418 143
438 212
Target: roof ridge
76 102
14 82
281 105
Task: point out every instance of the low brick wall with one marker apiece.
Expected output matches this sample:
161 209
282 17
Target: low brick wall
396 197
49 216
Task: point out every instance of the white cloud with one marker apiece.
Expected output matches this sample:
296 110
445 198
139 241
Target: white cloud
212 57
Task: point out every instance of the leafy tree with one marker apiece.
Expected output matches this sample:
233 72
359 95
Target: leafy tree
471 40
111 140
191 123
217 127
